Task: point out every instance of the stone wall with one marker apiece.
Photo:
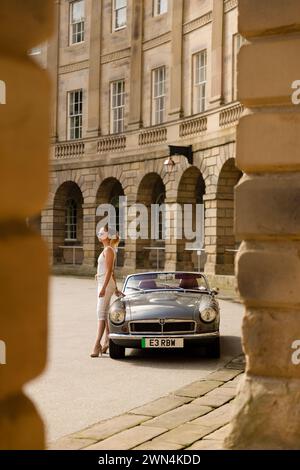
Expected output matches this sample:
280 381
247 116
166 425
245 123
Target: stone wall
23 191
267 412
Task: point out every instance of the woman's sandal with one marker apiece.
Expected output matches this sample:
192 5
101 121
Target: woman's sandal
105 348
97 351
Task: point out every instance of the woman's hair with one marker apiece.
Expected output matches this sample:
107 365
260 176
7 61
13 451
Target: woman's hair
115 240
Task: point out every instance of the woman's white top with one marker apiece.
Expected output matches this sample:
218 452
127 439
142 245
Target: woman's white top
101 268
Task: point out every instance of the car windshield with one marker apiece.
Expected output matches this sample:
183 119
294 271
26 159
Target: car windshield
165 281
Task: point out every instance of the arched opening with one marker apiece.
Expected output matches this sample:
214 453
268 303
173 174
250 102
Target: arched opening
150 250
191 190
226 243
109 192
68 225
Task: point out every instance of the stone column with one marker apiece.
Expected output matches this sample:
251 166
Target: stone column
216 98
136 66
267 410
47 224
24 119
52 67
130 244
210 232
89 234
175 93
93 129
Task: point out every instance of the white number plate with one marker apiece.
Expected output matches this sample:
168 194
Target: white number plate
162 343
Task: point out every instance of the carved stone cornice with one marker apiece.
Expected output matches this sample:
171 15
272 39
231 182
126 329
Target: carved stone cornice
229 5
164 38
74 67
117 55
197 23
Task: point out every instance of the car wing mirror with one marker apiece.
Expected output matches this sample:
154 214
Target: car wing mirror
215 291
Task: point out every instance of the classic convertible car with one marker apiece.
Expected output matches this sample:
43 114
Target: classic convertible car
165 310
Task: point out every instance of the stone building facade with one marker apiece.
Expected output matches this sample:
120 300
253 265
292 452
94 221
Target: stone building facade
133 77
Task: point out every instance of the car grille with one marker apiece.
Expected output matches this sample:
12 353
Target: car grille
169 327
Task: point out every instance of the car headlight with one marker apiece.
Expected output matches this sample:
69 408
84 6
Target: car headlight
117 316
208 315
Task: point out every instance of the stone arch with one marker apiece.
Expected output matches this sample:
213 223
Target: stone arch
109 192
191 190
229 176
68 224
65 177
151 190
153 166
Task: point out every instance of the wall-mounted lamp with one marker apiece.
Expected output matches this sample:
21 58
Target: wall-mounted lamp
186 151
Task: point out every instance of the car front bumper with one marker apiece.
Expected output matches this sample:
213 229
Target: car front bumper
134 341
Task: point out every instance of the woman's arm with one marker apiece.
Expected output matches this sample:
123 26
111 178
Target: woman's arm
109 259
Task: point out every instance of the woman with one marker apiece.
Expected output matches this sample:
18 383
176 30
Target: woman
107 285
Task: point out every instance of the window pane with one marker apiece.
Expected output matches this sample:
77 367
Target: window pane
120 4
117 106
77 11
121 18
162 7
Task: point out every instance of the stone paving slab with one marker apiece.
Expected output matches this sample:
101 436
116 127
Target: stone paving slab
224 375
128 439
218 435
178 416
216 419
158 445
185 434
111 426
70 443
161 405
216 397
197 389
206 445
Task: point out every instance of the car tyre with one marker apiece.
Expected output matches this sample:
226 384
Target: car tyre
214 349
116 351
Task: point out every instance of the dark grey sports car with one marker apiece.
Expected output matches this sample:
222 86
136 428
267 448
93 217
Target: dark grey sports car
165 310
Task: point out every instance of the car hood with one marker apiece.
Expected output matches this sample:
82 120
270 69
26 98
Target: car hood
165 305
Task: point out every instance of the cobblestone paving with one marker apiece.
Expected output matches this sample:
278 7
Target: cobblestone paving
194 417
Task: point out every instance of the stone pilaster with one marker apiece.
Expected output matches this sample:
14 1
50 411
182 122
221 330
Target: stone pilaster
24 118
136 71
93 129
210 232
217 53
130 244
89 234
52 67
267 411
175 108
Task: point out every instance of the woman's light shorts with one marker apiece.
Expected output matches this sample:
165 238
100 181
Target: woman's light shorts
104 302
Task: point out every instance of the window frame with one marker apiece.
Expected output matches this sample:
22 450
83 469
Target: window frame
113 108
155 99
72 116
156 10
71 221
237 41
198 86
73 23
114 16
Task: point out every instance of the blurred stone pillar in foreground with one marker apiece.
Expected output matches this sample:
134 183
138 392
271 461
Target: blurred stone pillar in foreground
267 410
24 135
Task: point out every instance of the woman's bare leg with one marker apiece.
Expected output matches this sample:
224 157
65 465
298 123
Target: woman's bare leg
100 331
106 338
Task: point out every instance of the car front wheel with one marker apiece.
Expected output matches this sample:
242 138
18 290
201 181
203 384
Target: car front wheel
213 349
116 351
